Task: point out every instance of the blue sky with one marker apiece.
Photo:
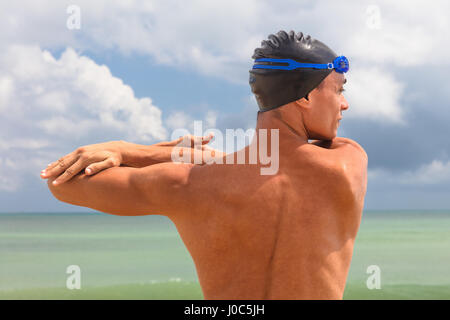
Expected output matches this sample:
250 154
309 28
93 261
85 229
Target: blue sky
137 70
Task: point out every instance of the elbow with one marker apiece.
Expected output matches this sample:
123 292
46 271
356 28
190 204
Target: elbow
62 192
55 190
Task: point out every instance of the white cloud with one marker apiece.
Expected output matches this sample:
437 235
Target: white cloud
8 179
210 119
178 119
409 33
181 120
23 143
435 172
375 94
6 91
216 36
65 102
432 173
74 96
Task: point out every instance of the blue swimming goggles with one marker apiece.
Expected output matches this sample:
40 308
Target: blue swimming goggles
340 64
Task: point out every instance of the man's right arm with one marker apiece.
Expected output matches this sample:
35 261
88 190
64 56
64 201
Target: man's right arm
139 156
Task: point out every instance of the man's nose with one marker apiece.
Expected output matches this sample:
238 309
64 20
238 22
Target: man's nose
344 104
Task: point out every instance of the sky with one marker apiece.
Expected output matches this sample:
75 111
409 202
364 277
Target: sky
138 70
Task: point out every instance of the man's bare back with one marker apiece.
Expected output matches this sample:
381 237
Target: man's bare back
285 236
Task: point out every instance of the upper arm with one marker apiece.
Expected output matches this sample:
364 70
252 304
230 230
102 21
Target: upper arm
354 169
349 162
360 171
338 143
157 189
166 187
356 151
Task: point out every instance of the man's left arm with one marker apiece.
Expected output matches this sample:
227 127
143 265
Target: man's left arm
97 157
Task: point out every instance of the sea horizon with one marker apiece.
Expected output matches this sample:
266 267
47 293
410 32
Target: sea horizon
99 212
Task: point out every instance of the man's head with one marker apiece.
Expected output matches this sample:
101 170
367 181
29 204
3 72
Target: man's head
322 110
313 89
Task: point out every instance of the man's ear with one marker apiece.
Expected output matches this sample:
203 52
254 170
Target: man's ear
303 102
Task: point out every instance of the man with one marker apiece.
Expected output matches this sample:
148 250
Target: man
289 235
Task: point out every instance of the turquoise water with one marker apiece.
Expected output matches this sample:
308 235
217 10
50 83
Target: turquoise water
143 257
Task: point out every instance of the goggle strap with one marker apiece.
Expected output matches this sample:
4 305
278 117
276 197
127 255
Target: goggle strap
292 64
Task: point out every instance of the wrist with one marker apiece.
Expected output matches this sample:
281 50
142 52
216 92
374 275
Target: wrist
137 155
125 149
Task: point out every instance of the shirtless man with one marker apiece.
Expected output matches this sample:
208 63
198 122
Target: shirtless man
289 235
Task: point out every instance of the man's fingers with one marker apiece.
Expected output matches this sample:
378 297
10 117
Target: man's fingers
55 164
99 166
192 141
207 138
70 172
188 140
59 166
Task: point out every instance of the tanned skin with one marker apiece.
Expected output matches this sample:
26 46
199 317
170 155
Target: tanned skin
284 236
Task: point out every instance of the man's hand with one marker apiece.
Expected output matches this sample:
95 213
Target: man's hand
189 141
330 144
91 158
97 157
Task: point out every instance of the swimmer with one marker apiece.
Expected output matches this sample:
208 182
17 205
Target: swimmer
289 235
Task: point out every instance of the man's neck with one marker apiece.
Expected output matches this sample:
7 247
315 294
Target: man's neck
290 129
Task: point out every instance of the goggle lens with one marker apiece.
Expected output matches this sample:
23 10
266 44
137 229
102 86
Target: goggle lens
341 64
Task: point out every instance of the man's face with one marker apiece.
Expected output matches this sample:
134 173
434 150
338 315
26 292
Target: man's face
325 108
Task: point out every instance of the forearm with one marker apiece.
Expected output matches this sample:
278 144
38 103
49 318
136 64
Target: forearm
138 156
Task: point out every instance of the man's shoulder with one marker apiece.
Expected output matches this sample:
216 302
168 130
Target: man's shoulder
346 161
339 150
349 142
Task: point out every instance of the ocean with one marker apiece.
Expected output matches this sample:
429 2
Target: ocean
398 255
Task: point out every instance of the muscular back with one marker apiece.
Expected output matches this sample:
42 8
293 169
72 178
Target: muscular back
284 236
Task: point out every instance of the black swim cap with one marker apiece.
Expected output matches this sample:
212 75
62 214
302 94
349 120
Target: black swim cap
275 88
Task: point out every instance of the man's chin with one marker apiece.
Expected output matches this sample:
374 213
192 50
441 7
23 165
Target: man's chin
323 137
